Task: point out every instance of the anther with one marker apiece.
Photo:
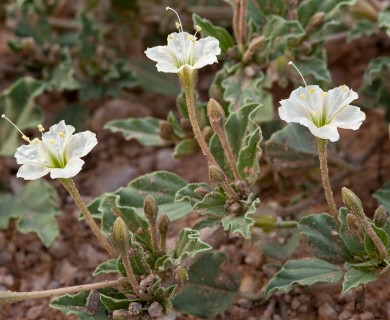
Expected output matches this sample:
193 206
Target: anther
178 18
312 90
296 68
177 25
24 137
52 141
302 96
62 135
41 128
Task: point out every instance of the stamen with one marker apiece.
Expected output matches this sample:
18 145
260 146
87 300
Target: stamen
177 25
296 68
344 88
180 24
312 90
170 37
36 141
52 141
41 128
62 135
302 96
324 94
24 137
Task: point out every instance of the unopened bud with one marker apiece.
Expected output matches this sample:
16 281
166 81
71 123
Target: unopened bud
315 21
163 225
28 43
352 201
151 209
120 236
255 45
216 174
202 191
353 224
207 133
215 113
186 124
181 276
380 216
165 130
121 315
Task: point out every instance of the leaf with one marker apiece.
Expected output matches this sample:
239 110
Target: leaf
115 302
109 266
75 305
188 192
272 7
360 28
17 103
212 204
371 248
188 244
293 146
241 223
304 272
354 278
144 130
321 231
376 68
35 207
211 289
162 185
185 148
384 21
351 241
208 29
315 67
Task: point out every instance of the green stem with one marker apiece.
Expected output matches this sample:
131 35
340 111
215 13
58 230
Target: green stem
10 297
277 225
322 153
74 193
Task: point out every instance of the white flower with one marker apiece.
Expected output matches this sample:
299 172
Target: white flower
184 50
322 112
57 153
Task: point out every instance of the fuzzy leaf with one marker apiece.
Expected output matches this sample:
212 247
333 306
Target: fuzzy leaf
371 249
185 148
115 302
376 68
75 305
188 192
361 28
208 29
109 266
212 204
35 207
384 21
279 251
188 244
351 241
383 196
354 278
162 185
17 103
144 130
304 272
211 289
315 67
321 231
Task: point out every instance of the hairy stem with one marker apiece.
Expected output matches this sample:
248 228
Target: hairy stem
154 238
74 193
322 153
276 225
10 297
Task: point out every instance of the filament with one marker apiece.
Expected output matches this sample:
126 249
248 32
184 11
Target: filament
296 68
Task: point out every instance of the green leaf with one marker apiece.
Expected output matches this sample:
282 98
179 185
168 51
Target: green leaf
185 148
241 223
211 289
304 272
208 29
321 231
17 103
351 242
354 278
371 248
376 68
144 130
116 302
293 146
35 207
383 196
212 204
188 192
162 185
75 305
315 67
384 21
188 244
272 7
109 266
361 28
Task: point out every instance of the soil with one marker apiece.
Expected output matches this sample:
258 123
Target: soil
26 265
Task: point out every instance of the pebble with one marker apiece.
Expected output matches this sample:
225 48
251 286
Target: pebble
276 317
248 284
253 258
65 271
34 312
295 303
58 249
367 315
244 303
164 160
345 315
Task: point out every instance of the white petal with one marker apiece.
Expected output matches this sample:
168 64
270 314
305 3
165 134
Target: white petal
206 51
181 45
31 171
311 98
350 117
338 98
165 58
57 136
81 144
27 153
72 168
326 132
292 113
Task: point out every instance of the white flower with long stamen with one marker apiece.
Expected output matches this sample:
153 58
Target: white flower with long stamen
58 152
184 50
322 112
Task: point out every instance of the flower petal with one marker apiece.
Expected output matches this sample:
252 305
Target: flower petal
81 144
27 153
337 99
206 51
72 168
32 171
350 117
325 132
165 58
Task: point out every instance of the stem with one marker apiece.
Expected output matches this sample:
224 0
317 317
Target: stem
374 237
242 21
9 297
74 193
277 225
154 238
322 153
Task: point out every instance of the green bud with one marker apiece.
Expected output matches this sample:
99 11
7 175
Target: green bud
151 209
315 21
120 236
216 114
353 224
202 191
181 276
163 225
216 174
165 130
352 201
380 216
120 315
255 45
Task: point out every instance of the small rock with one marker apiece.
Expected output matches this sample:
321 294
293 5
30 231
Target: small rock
388 310
248 284
244 303
155 310
65 271
295 303
164 160
34 312
303 308
135 309
58 249
367 315
253 258
345 315
276 317
287 298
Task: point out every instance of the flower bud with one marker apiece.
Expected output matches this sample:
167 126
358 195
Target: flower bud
216 174
151 209
181 276
255 45
353 224
202 191
380 216
215 113
315 21
163 226
352 201
165 130
120 236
